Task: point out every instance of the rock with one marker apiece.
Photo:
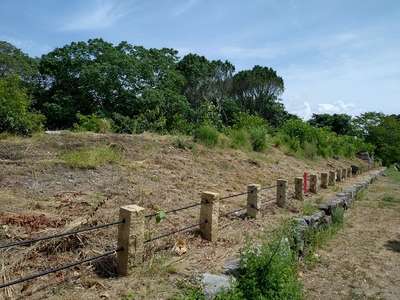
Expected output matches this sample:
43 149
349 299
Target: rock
213 284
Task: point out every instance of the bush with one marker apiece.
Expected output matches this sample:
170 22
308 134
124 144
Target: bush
15 116
206 135
268 271
92 123
258 138
239 138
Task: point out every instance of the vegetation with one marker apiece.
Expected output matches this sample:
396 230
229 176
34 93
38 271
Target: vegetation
96 86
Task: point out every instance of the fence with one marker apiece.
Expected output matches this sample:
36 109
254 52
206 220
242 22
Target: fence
131 224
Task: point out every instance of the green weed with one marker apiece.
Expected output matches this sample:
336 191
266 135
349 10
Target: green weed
91 157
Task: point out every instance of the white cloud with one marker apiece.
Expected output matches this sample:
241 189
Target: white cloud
185 6
339 107
303 111
102 14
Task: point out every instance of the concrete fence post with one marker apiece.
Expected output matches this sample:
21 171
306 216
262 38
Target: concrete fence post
344 174
298 188
130 238
339 175
349 173
313 183
324 180
281 192
209 213
253 200
332 178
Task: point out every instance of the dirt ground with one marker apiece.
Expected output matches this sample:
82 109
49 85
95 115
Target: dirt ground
42 195
363 260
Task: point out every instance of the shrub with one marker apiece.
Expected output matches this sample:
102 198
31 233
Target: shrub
206 135
268 271
239 138
15 116
258 138
92 123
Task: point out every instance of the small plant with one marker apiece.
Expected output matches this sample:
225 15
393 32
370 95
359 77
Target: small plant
338 216
389 198
190 289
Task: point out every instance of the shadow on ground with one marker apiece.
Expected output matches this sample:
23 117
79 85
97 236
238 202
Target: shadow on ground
394 245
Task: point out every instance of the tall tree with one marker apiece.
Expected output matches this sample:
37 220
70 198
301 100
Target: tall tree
97 77
383 132
14 61
258 91
339 123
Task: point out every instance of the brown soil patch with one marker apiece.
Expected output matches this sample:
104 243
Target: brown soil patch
40 196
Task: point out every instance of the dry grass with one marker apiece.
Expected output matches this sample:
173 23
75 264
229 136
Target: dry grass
155 172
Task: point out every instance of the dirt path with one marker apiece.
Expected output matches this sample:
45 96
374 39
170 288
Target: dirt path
363 260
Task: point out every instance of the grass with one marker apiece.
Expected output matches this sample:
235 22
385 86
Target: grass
91 157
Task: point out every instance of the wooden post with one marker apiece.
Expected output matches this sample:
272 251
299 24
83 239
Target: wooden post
298 188
281 192
253 200
130 238
313 183
209 213
332 178
324 180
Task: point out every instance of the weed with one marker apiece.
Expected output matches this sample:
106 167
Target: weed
190 289
308 208
268 271
91 158
389 198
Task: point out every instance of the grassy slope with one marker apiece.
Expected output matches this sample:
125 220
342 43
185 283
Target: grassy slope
80 180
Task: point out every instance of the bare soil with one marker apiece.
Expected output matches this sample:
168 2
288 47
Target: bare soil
362 261
40 195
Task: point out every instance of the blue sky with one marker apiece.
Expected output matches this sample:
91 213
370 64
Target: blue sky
335 56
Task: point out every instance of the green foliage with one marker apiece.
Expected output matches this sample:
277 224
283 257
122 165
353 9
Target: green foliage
123 124
258 138
91 157
338 216
92 123
390 198
338 123
243 120
257 91
268 271
239 139
15 116
206 135
160 215
297 129
190 289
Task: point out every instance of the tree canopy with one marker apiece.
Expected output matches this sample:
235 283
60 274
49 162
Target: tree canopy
133 89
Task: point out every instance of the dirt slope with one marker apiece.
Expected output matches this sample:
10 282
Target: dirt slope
41 195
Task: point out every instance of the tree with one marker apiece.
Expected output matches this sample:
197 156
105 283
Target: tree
339 123
382 131
99 78
258 91
14 62
15 116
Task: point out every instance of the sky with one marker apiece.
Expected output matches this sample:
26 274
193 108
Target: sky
335 56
